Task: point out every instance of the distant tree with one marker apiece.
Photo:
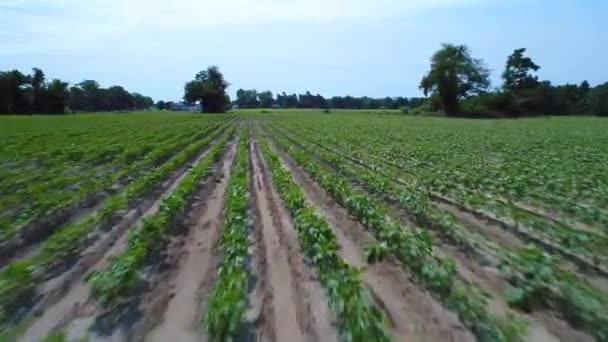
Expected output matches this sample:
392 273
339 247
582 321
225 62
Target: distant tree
518 72
247 98
56 97
454 75
306 100
13 92
160 105
208 87
287 101
598 100
92 99
119 99
266 99
38 90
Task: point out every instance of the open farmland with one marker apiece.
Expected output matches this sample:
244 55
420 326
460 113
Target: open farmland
304 226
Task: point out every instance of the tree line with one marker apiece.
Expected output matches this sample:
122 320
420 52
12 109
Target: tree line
458 85
265 99
28 94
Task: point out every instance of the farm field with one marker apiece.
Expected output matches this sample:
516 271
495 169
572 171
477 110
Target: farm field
302 225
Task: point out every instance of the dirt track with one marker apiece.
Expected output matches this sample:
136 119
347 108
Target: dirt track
180 297
293 304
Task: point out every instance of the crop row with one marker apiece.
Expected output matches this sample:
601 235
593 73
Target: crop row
536 278
53 204
42 190
587 245
358 318
18 279
228 301
568 179
412 247
120 276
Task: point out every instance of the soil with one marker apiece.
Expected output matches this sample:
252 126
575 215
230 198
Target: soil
414 315
65 299
176 305
294 306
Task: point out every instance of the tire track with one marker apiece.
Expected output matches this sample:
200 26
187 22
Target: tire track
179 296
295 308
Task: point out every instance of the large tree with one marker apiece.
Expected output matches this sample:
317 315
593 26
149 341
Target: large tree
518 74
454 75
208 87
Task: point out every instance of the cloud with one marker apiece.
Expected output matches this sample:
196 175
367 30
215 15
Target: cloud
110 17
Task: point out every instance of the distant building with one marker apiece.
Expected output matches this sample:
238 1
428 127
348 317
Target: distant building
186 107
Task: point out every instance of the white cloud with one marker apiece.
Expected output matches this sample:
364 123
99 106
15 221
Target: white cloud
125 15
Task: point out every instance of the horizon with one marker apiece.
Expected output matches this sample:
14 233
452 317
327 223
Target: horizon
331 48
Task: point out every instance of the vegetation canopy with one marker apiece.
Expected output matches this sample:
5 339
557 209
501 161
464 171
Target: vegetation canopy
454 75
208 88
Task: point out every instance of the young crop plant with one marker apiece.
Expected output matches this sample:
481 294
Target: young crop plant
18 279
414 249
120 276
73 184
536 280
358 318
584 246
228 301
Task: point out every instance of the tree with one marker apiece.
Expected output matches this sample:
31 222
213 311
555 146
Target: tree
454 75
518 72
119 99
266 99
208 87
56 97
92 98
598 100
13 92
38 90
247 98
160 105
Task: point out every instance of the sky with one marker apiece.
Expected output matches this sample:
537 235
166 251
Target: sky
332 47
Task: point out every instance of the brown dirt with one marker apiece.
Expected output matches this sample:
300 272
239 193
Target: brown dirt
414 315
294 306
66 303
174 308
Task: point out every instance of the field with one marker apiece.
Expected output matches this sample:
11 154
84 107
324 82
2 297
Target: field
303 225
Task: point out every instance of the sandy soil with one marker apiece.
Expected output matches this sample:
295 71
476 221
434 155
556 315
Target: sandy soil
179 299
412 312
65 300
294 306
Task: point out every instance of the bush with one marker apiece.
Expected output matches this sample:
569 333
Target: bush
424 109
